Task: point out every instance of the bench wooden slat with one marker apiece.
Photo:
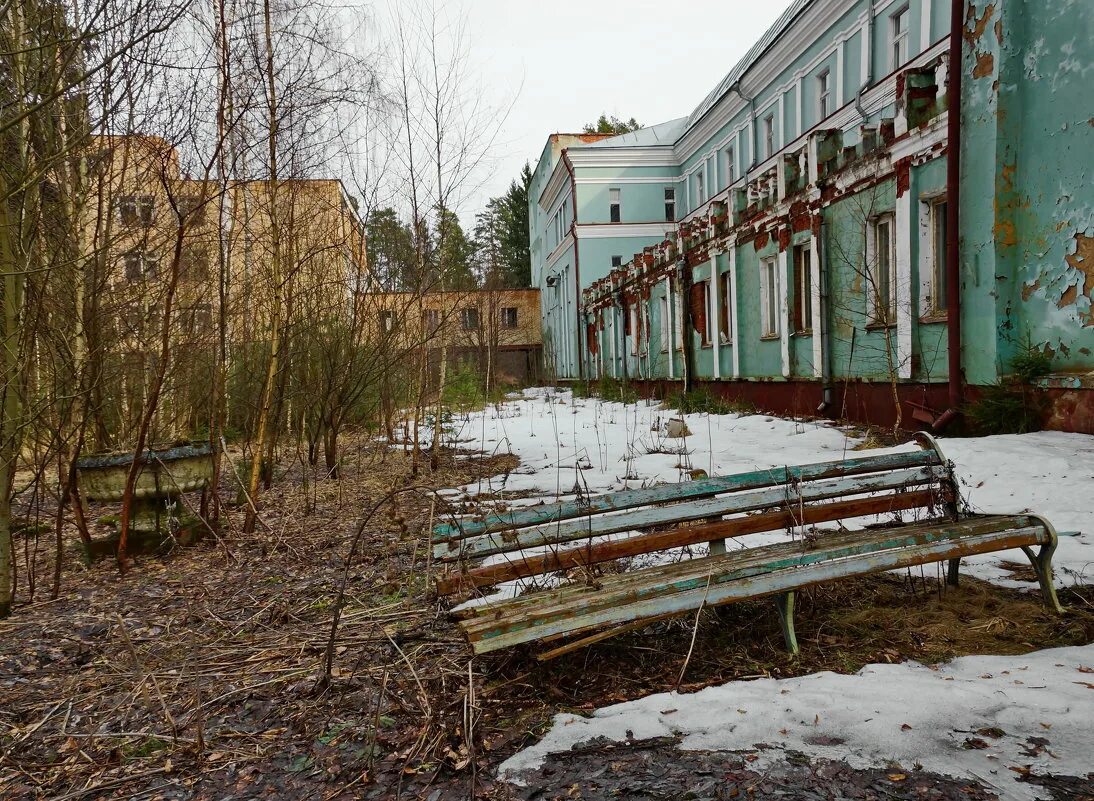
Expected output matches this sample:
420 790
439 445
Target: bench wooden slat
599 525
524 566
625 585
686 491
755 573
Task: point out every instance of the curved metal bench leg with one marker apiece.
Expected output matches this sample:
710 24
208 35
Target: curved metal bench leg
785 604
953 572
1042 566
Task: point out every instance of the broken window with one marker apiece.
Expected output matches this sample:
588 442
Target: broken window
700 318
803 289
769 297
725 311
387 320
898 38
470 318
824 95
880 263
431 321
509 317
670 204
139 264
615 205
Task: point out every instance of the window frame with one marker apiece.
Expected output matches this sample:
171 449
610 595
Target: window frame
725 310
899 37
770 322
938 208
824 94
469 318
615 205
802 255
509 318
706 336
881 282
769 136
670 204
731 165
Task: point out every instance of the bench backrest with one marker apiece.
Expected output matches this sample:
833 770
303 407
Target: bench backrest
674 515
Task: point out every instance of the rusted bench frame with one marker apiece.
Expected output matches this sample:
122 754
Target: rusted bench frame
782 498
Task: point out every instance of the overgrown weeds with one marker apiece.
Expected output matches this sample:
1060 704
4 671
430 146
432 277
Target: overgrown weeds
706 402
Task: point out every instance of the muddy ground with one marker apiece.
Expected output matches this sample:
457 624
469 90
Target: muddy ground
200 674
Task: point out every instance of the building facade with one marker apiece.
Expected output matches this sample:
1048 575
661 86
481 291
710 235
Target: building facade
788 242
495 331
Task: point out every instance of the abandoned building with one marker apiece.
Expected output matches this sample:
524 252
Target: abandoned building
789 241
494 331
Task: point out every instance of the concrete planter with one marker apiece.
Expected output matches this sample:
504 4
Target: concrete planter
156 514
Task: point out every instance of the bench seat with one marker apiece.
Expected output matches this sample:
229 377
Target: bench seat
774 570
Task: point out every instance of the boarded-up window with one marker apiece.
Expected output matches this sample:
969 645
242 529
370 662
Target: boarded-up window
699 301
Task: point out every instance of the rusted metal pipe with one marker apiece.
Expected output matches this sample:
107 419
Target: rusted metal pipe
953 216
577 264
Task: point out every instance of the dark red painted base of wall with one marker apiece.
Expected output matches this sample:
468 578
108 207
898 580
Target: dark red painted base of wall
871 403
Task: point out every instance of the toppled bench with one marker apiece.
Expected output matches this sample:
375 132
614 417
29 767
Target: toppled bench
916 490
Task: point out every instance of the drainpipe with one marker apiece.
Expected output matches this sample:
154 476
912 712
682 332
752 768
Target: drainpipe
953 216
825 335
577 260
870 22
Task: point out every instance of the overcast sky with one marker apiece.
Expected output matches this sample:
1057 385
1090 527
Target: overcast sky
568 61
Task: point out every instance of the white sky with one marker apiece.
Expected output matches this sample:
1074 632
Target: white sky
562 64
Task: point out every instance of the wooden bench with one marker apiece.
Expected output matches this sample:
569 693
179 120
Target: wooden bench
916 492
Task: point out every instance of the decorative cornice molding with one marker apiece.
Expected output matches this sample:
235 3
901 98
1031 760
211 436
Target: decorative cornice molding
624 230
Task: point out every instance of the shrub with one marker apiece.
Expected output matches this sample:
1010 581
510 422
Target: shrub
1015 405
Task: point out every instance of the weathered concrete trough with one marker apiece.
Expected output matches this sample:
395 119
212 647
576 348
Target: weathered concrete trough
156 516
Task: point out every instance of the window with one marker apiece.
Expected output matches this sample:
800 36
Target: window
824 95
191 210
431 321
940 303
700 186
803 289
135 209
769 136
633 327
469 316
665 327
139 264
615 206
880 262
670 205
617 261
194 263
898 38
387 320
731 166
509 317
701 312
725 312
769 298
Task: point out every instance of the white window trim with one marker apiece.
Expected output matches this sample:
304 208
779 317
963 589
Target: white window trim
803 294
824 95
